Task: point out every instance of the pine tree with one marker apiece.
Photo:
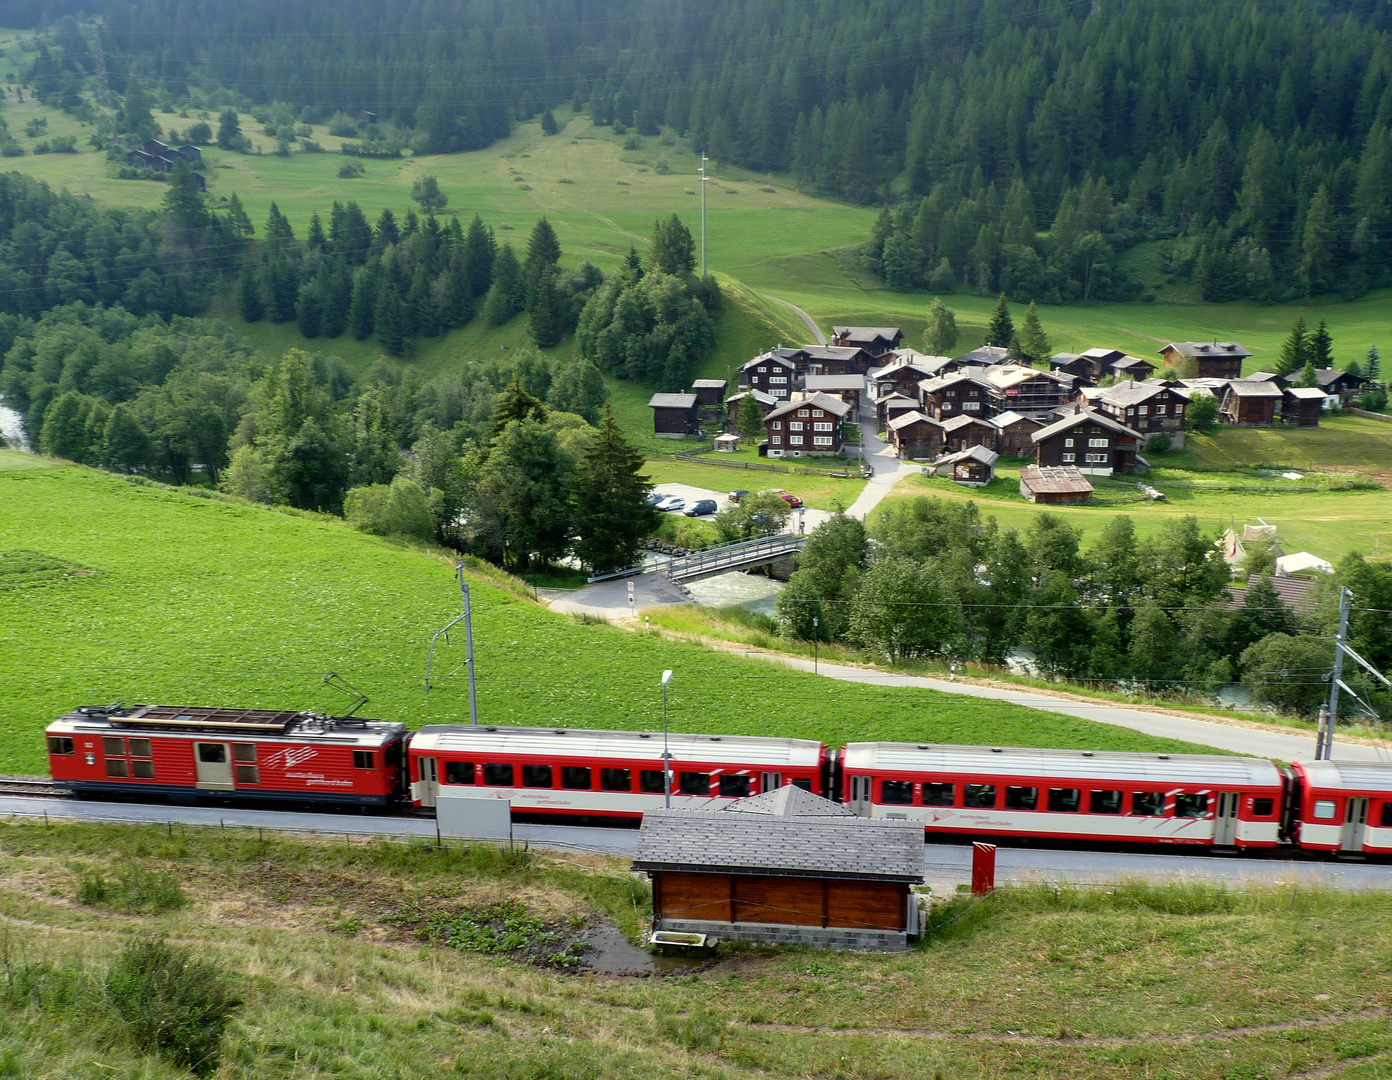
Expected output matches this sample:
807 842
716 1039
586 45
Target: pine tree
506 296
612 515
386 233
1294 350
542 246
673 251
1372 367
1322 347
1001 327
279 235
940 335
480 251
237 216
1034 342
514 403
548 123
547 314
1317 258
229 135
249 296
315 238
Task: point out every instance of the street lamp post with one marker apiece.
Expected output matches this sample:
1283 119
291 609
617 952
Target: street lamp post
666 754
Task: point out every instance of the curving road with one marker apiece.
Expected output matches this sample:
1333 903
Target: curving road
807 319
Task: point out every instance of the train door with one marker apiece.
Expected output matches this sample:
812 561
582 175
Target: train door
860 795
1225 822
1355 825
770 781
429 780
213 761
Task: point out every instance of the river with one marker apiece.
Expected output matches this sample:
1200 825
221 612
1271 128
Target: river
12 428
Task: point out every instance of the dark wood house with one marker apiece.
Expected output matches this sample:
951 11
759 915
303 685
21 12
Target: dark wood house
887 408
1016 388
1249 404
709 392
1152 408
914 435
961 432
191 154
837 360
1131 367
902 376
785 867
365 116
1015 431
810 425
1340 384
1202 360
675 416
777 372
847 387
952 395
1301 406
875 340
1088 441
1083 370
986 356
1054 486
973 467
732 407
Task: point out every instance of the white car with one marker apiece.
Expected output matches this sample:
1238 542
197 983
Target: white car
672 502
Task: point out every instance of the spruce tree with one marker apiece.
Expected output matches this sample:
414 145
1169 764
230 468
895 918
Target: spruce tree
1308 378
673 251
548 123
750 419
514 403
1001 327
1322 347
1294 350
249 296
542 246
940 335
315 238
480 251
547 314
229 135
507 295
309 312
279 235
362 309
1372 366
389 320
612 516
1033 340
237 216
386 232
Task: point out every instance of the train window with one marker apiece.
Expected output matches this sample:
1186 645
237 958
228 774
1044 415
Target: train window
60 744
1324 808
113 746
459 772
115 766
733 786
246 774
898 792
1386 821
143 770
575 777
1147 804
536 776
981 796
650 780
1021 798
364 759
498 775
212 753
694 783
802 782
140 748
392 754
1263 807
1190 806
1065 800
619 780
244 751
1104 802
941 794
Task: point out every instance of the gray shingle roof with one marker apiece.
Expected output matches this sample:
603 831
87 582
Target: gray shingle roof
835 406
789 801
1074 419
672 401
958 422
1208 349
868 333
710 383
1244 389
985 356
909 419
1128 393
835 382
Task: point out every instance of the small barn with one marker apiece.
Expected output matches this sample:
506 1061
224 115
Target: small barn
1054 486
710 393
847 387
973 467
1015 431
964 431
675 416
785 867
1199 359
1301 406
1249 404
766 402
914 435
887 408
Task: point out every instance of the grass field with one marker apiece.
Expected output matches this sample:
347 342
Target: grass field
145 593
1136 981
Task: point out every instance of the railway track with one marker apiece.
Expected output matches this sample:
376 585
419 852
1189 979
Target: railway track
33 787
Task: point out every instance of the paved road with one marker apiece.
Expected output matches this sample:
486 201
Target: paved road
889 470
945 865
813 328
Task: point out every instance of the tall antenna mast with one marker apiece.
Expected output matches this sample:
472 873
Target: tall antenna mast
704 181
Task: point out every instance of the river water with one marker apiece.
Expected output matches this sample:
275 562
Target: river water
12 429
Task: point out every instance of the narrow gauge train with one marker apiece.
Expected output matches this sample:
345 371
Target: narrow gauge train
1215 801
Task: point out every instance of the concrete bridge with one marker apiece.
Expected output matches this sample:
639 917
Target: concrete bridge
741 555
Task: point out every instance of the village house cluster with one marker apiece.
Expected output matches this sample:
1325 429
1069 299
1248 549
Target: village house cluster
161 157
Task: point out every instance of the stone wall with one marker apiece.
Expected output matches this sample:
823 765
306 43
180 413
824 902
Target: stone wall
833 937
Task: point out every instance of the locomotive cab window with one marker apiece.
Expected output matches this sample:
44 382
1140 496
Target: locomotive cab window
616 780
116 766
1021 798
981 796
139 748
897 792
212 753
364 759
246 774
497 775
113 746
1104 802
1263 807
60 745
244 751
536 776
1386 821
1064 800
940 794
649 781
459 772
142 770
1190 806
575 777
1147 804
694 783
734 786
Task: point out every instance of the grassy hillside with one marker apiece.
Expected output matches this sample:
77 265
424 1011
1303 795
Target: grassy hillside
111 590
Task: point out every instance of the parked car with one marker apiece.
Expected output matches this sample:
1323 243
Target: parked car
791 500
701 507
670 502
736 496
655 498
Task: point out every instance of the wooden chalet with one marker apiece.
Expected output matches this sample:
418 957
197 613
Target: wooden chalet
875 340
986 356
887 408
837 360
1088 441
1283 381
961 432
1015 431
365 116
1301 406
1131 367
1080 367
1054 486
784 867
675 416
810 425
1152 408
952 395
777 372
914 435
1016 388
903 375
1202 360
1249 404
1339 386
847 387
710 393
766 403
973 467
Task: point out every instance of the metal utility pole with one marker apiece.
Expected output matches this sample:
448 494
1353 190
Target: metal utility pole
1329 714
466 618
666 754
815 622
704 181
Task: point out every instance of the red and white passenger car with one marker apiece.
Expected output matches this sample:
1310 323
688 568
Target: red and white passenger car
605 773
1068 794
248 753
1342 806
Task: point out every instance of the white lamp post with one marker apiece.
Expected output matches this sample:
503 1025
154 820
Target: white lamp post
666 755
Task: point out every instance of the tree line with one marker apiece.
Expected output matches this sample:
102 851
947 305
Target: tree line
934 579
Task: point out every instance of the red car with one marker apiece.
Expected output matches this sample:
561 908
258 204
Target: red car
791 500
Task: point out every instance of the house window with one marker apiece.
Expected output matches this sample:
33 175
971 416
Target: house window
1130 412
950 393
1068 459
1096 458
778 379
1067 442
1159 410
822 427
1144 410
777 440
1102 443
821 440
763 371
1179 410
802 412
972 406
795 425
795 440
777 425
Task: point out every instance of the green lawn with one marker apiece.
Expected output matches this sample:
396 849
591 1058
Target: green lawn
1342 441
147 593
819 492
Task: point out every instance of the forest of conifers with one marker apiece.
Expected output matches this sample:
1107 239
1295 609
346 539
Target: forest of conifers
1027 143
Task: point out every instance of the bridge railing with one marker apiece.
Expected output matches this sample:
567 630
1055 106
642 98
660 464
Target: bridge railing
740 553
